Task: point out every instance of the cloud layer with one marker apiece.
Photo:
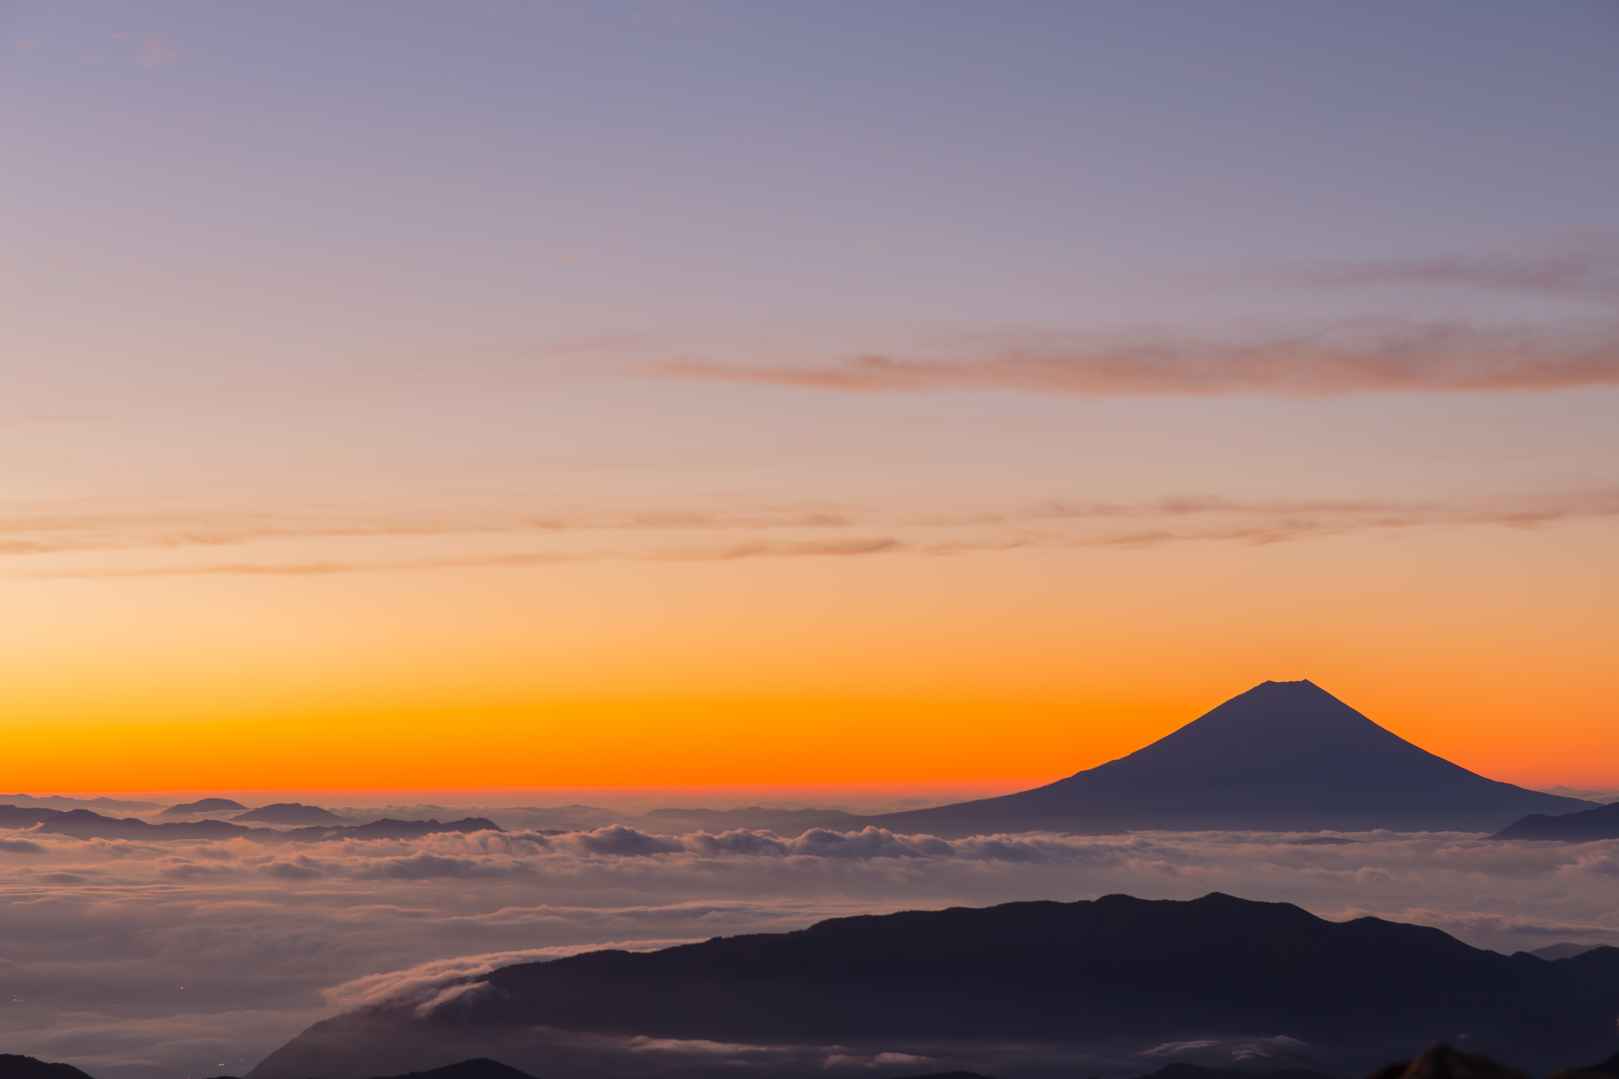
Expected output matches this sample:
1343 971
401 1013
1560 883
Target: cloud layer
704 536
144 959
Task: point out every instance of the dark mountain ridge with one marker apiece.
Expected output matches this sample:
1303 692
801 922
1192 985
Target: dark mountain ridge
958 983
13 1066
1282 756
1579 827
780 821
57 801
203 806
83 824
477 1068
294 813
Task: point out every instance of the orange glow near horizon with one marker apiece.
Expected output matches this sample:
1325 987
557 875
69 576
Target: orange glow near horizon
900 668
984 672
628 745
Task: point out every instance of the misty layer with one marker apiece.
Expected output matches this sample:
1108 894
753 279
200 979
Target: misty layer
146 959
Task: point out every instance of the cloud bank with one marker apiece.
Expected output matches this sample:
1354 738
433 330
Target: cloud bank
140 960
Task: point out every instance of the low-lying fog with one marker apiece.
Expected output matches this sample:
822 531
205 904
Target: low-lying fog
137 960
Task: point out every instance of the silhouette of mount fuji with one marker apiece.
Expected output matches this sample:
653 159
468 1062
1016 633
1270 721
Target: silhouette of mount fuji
1284 755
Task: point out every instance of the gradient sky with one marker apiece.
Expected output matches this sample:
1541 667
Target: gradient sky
694 395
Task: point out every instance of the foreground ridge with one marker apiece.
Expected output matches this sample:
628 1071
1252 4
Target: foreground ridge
964 985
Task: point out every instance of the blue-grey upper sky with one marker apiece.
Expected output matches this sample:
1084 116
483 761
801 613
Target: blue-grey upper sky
735 174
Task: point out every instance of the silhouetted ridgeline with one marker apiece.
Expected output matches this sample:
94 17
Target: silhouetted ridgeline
100 805
480 1068
293 813
974 988
1445 1062
83 824
1282 756
19 1067
780 821
1584 826
1440 1062
1183 1070
203 806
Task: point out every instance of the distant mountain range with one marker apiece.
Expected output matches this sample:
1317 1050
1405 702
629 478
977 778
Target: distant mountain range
780 821
290 813
1440 1062
83 824
1582 826
480 1068
56 801
204 807
1563 950
1004 990
1282 756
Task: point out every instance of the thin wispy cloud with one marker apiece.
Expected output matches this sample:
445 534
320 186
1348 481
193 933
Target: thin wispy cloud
1054 524
63 533
1354 359
813 549
853 547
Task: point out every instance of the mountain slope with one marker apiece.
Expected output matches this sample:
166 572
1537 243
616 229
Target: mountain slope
83 824
1283 755
56 801
962 985
20 1067
293 813
1599 823
480 1068
203 806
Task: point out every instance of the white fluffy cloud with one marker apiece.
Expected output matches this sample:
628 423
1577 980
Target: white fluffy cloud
140 960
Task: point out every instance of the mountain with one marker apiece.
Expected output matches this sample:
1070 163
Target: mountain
1004 990
1445 1062
480 1068
17 1067
290 813
83 824
1583 826
392 829
484 1068
56 801
203 806
1607 1067
780 821
1563 950
1282 756
1182 1070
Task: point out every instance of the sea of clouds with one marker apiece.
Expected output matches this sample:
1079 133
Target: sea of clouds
136 960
